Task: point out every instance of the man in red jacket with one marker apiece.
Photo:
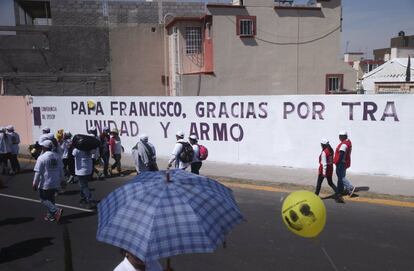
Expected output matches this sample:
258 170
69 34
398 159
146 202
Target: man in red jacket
342 160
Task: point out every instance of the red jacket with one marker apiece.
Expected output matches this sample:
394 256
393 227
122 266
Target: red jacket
329 163
347 161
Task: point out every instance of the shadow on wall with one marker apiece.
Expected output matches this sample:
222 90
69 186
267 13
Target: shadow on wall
249 41
24 249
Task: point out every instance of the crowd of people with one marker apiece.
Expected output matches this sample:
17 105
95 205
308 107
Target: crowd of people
341 158
61 160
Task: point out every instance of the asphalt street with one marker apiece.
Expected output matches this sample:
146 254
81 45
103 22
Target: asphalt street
357 236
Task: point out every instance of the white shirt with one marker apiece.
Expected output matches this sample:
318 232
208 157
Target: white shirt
175 155
196 157
50 169
83 162
3 143
14 140
65 148
343 147
125 265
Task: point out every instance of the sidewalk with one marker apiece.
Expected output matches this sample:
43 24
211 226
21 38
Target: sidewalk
378 183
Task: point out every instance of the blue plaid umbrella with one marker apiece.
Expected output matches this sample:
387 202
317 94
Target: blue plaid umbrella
153 218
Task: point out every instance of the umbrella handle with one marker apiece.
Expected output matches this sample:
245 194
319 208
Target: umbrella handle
168 268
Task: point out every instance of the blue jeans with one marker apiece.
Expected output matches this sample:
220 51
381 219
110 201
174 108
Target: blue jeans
47 197
340 173
85 193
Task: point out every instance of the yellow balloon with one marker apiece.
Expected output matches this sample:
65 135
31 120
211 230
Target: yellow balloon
304 214
91 104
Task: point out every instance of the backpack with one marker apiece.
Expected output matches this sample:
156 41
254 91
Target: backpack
187 153
203 152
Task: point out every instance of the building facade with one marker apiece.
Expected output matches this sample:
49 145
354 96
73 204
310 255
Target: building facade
115 47
259 48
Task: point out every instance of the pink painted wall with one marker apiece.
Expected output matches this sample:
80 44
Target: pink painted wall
16 111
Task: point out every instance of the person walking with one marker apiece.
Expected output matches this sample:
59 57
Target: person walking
116 151
83 173
4 151
48 174
104 150
14 140
95 153
68 169
326 169
196 162
342 160
133 263
181 150
144 155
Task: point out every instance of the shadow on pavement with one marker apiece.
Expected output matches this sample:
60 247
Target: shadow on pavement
67 219
73 192
15 221
24 249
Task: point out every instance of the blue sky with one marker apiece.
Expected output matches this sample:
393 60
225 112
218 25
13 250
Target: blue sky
370 24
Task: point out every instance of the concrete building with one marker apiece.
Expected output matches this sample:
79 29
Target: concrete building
390 78
362 66
84 47
400 46
123 47
259 47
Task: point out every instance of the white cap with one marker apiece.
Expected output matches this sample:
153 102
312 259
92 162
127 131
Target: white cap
46 129
106 129
143 137
343 132
193 137
10 128
324 141
47 144
180 134
67 133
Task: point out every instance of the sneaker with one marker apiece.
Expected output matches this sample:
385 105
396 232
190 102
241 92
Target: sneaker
48 218
339 199
71 180
352 191
58 214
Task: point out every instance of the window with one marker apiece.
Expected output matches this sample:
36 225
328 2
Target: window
34 13
193 40
334 83
246 26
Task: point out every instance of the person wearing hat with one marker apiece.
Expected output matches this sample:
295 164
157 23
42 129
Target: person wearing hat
43 136
68 164
116 151
342 161
14 140
104 149
48 174
4 152
83 172
326 168
144 155
178 149
95 153
196 163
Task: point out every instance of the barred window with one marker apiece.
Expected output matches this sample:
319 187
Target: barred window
246 27
334 83
193 40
